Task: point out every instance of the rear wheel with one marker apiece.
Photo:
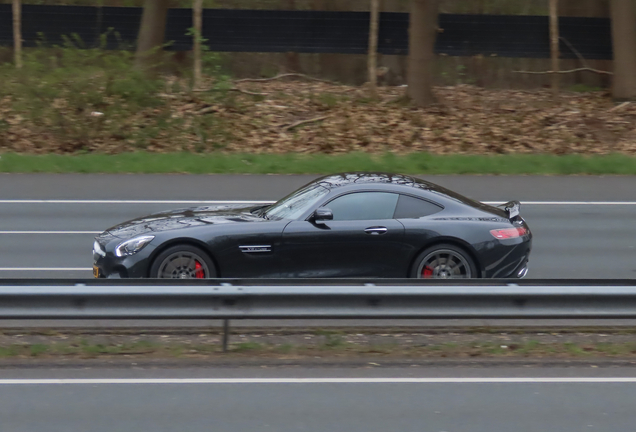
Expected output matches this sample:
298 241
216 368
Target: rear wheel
183 262
444 261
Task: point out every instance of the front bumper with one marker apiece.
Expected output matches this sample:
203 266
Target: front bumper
110 266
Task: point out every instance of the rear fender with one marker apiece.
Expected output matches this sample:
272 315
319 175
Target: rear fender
455 242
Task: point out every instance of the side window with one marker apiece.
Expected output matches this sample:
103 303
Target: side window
364 206
413 208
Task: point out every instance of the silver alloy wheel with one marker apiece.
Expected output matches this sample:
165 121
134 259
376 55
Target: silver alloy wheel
183 265
444 264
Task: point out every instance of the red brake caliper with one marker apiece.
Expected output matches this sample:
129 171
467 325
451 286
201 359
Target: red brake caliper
198 270
427 272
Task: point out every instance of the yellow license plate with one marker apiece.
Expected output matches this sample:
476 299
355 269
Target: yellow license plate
96 271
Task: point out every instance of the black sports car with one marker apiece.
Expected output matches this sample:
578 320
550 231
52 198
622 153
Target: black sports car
344 225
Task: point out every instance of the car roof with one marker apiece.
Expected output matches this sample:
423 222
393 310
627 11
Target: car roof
425 188
348 178
333 181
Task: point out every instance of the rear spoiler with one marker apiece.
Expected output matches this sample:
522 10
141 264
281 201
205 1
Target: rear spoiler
512 208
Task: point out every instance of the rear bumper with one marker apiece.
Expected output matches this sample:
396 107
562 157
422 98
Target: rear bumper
510 262
521 271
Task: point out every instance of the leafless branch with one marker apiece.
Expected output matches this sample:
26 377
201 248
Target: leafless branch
584 69
302 122
619 107
288 75
576 52
207 110
234 89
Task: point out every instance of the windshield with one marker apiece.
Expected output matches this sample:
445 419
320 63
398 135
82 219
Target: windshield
294 205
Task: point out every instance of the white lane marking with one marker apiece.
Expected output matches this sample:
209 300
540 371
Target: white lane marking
128 202
313 381
50 232
45 269
594 203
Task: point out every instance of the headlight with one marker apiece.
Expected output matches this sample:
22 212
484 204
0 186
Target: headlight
97 248
132 246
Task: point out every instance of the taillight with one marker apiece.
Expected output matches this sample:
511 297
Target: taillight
509 233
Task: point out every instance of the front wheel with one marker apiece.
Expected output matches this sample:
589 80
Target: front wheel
444 261
183 262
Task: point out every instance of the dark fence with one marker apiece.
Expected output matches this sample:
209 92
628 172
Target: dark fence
313 31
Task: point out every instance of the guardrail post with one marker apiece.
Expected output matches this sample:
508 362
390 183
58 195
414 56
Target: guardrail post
226 334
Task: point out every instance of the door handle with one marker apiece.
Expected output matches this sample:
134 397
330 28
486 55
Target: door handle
376 230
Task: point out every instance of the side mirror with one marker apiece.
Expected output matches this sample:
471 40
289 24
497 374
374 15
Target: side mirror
322 215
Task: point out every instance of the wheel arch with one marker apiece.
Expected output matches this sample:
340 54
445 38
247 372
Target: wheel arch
183 241
462 244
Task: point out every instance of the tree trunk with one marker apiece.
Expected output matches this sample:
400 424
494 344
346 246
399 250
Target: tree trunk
422 36
17 33
198 35
554 45
152 33
292 59
373 47
624 36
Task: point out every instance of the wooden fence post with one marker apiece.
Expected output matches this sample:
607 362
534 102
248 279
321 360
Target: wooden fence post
17 33
373 47
554 45
198 35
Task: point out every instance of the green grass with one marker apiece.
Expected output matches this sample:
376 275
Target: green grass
332 341
248 346
416 163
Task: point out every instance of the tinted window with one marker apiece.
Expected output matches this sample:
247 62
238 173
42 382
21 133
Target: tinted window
294 205
364 206
413 208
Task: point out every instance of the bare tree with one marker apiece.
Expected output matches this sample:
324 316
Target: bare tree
624 36
373 47
198 34
152 33
17 33
423 32
554 45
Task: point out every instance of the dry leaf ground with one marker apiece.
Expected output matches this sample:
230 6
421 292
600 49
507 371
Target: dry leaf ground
301 116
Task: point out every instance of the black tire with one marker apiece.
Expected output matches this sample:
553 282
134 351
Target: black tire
177 262
439 256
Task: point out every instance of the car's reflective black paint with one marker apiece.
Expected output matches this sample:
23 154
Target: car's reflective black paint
247 241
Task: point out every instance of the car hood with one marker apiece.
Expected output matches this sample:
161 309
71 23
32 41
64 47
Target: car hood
183 218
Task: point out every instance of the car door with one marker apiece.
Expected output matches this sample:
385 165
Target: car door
413 213
249 250
362 240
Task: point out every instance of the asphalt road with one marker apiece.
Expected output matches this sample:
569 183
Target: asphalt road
54 238
365 400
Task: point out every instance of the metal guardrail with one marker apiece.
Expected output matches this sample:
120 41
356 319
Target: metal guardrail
315 299
294 300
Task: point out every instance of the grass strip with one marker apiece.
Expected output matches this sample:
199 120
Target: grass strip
415 163
331 347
